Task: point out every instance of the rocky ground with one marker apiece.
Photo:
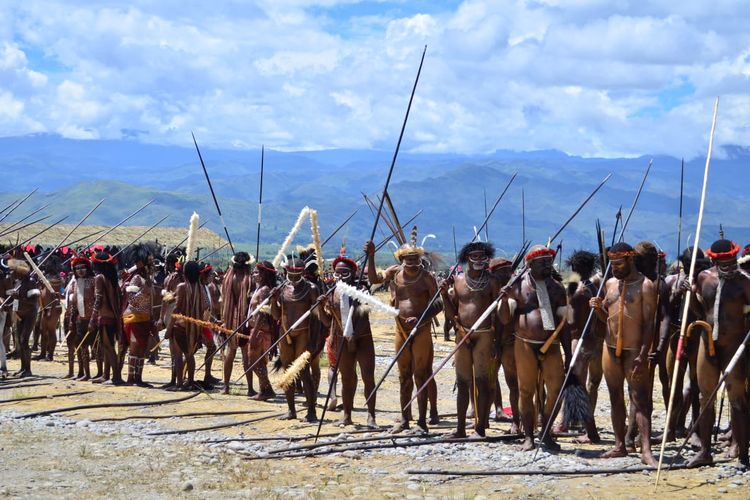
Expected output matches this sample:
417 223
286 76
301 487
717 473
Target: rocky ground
122 452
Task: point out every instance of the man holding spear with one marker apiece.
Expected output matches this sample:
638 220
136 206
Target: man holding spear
724 292
411 290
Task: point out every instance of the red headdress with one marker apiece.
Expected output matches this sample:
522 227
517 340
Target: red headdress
540 252
206 268
733 250
346 260
108 260
78 259
266 266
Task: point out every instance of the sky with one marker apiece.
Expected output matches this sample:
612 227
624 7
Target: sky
587 77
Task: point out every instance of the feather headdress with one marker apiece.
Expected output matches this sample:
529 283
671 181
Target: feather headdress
290 237
291 374
316 240
365 298
192 235
410 247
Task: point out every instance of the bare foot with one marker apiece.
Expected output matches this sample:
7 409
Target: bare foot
371 422
701 459
344 421
251 393
615 453
225 390
733 451
514 428
434 418
68 376
332 404
422 426
584 439
551 445
648 459
694 441
399 427
458 433
528 444
288 416
478 432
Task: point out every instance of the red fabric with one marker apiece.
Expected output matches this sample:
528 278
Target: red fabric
332 348
138 332
207 334
270 269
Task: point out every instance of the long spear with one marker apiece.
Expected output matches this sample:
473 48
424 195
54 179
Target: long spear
18 204
591 312
19 229
487 226
339 228
523 216
144 233
213 195
18 245
453 269
9 205
10 228
260 204
679 220
688 294
455 248
374 228
580 207
205 257
70 232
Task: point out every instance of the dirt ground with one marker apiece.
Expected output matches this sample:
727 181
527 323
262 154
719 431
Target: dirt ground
85 453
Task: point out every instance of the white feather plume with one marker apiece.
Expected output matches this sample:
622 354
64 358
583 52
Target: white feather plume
427 237
391 242
316 240
290 237
192 234
365 298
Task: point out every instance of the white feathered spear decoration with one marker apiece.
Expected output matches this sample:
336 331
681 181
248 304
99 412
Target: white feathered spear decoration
290 237
192 236
365 298
292 373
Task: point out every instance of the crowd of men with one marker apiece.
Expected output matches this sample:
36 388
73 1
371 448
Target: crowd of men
121 307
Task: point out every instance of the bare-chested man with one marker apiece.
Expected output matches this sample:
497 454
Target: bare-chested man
537 307
628 307
235 292
191 300
724 294
81 303
292 301
23 301
505 338
411 290
139 315
359 348
213 293
263 328
106 314
588 367
173 279
471 294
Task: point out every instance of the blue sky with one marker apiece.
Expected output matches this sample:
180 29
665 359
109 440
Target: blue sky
588 77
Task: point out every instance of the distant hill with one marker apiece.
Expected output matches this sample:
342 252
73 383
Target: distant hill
74 175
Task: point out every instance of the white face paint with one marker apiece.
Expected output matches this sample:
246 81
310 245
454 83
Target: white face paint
478 261
294 276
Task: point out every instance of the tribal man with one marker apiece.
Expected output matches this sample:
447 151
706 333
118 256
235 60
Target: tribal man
168 293
22 301
214 307
536 307
628 307
235 293
138 315
191 300
290 302
106 315
471 294
744 261
359 348
588 367
263 328
502 269
80 305
411 289
724 292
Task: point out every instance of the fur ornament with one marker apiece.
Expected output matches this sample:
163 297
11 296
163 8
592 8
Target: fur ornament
291 374
192 234
577 407
410 247
288 241
365 298
316 240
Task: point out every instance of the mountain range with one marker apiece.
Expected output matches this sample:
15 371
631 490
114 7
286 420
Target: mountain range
450 189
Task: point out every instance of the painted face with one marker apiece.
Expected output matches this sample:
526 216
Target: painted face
541 267
478 261
727 268
343 273
294 276
621 268
80 270
413 261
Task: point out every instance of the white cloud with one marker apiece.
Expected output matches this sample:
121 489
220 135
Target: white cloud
591 77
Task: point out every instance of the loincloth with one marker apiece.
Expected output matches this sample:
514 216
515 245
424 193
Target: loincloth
138 332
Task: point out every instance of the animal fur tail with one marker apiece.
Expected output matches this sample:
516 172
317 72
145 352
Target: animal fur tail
292 373
192 236
577 407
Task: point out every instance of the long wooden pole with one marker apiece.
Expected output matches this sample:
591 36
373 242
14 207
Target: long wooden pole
688 294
